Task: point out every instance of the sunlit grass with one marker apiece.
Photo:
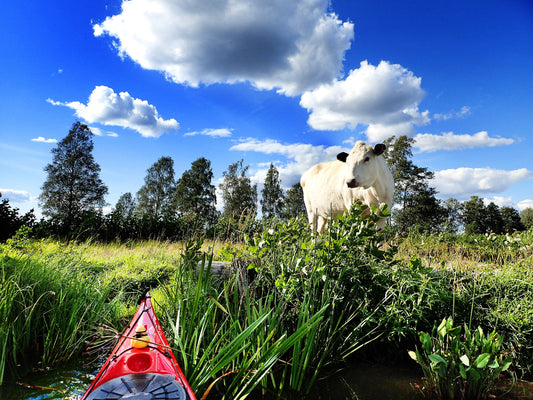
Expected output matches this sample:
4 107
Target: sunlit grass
292 307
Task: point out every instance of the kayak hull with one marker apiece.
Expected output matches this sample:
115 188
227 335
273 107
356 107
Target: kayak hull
141 372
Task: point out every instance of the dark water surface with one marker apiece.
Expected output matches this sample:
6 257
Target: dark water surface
363 381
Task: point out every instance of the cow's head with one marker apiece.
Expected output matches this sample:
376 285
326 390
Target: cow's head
361 164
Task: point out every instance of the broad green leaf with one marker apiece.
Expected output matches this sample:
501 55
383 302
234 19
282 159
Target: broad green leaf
441 330
455 331
482 360
506 365
462 371
494 364
436 358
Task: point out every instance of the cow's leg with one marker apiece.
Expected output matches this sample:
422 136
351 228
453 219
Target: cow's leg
320 224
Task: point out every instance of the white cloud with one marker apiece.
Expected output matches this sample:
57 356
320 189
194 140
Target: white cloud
41 139
462 183
99 132
465 111
289 45
426 142
109 108
499 201
216 133
301 156
15 196
385 98
522 205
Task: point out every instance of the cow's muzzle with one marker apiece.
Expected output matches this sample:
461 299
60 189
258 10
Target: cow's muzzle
351 183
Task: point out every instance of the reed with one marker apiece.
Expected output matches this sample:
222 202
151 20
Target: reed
306 309
48 309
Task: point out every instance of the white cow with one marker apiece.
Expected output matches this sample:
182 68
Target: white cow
332 187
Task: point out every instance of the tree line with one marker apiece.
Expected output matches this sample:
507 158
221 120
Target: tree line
166 207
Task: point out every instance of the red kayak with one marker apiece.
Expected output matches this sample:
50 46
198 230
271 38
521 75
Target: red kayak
141 366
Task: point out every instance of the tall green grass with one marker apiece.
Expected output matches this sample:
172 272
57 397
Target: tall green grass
49 308
298 305
293 308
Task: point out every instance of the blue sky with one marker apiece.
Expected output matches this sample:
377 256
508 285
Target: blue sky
288 82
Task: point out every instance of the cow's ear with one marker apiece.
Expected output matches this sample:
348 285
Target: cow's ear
379 149
342 156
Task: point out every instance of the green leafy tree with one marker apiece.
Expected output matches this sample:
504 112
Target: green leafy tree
474 216
511 220
155 197
407 176
526 216
238 193
195 196
294 202
418 204
421 210
11 221
273 198
73 186
125 206
452 211
493 219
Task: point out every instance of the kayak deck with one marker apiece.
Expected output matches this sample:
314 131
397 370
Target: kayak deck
141 367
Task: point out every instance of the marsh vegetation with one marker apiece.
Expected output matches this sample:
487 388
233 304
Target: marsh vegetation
292 310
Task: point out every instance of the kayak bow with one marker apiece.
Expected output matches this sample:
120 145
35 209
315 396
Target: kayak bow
141 365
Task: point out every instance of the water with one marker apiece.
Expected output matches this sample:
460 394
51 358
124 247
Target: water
65 383
363 381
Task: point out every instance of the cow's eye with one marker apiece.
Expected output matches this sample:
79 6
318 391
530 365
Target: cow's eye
367 159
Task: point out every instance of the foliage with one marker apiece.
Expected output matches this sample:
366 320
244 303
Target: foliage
478 218
11 221
407 176
461 365
73 185
125 206
511 220
301 305
452 215
526 216
294 305
238 193
195 195
273 200
49 308
155 197
421 210
418 205
294 202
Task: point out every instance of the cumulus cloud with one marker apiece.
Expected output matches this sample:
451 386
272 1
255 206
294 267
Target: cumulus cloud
41 139
522 205
384 97
288 45
109 108
15 196
300 157
500 201
216 133
426 142
465 182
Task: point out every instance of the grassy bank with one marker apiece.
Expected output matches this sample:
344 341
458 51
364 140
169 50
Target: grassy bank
292 307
